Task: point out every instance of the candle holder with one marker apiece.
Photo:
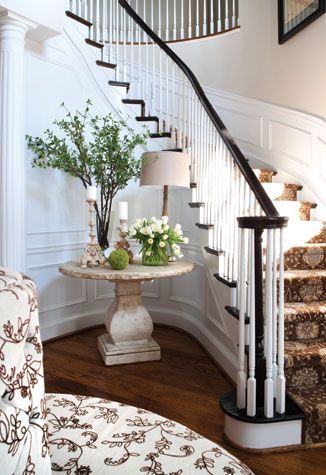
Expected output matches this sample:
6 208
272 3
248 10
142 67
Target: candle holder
123 243
93 255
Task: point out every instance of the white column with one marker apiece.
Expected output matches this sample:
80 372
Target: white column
12 158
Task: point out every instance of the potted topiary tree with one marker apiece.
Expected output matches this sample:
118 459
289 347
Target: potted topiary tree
107 159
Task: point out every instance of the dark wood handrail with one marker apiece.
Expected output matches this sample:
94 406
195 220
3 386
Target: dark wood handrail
253 182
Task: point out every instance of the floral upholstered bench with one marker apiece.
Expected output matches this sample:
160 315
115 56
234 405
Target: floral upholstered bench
43 433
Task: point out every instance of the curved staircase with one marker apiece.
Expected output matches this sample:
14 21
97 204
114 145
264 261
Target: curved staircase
256 269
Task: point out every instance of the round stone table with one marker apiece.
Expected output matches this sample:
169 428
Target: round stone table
128 323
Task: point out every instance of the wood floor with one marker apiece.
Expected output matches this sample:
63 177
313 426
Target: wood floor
184 386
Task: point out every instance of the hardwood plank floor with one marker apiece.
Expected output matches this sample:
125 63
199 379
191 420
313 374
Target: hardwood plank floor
185 386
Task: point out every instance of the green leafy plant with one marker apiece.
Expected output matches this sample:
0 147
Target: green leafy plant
107 158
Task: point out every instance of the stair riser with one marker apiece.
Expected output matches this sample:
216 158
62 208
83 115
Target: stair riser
305 377
282 191
305 290
295 210
305 327
305 258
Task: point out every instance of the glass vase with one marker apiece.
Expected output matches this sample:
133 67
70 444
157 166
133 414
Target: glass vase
155 259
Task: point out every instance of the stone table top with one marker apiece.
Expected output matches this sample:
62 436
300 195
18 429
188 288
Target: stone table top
135 271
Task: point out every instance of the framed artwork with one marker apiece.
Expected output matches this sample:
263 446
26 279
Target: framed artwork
294 15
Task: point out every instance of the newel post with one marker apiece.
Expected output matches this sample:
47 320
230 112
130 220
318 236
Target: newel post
258 285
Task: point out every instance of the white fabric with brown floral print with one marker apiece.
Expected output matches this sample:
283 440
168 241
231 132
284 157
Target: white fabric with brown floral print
23 435
85 435
90 436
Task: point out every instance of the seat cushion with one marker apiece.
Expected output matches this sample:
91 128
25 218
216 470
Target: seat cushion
95 436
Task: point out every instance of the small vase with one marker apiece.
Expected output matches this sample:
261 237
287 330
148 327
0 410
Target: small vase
154 259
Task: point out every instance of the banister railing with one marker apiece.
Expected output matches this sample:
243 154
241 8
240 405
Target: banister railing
171 20
225 183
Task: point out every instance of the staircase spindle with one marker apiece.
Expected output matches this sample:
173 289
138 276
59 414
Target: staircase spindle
280 381
174 19
205 18
189 19
274 311
212 17
227 20
182 27
234 14
269 384
167 21
251 384
197 18
241 378
219 16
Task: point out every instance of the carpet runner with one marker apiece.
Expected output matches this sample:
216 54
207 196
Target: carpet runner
305 307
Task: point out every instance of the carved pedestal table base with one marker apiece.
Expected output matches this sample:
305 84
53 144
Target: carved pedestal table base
128 323
129 327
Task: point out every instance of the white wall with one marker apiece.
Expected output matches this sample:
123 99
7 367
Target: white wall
250 62
47 14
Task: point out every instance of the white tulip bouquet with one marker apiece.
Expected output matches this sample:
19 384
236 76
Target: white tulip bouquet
160 242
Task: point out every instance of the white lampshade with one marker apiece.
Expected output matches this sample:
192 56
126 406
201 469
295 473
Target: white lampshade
165 168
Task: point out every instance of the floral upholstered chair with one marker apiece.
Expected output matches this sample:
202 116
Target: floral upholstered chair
47 434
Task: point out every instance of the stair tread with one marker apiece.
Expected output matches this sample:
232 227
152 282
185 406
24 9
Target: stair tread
78 18
312 400
120 84
147 118
105 64
293 308
158 135
96 44
307 245
133 101
301 274
304 353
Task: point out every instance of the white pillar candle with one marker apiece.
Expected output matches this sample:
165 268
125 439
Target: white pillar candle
91 193
123 210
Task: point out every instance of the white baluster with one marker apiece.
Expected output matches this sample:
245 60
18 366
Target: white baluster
189 19
117 21
167 22
183 113
90 11
153 98
205 18
98 21
144 18
234 15
241 378
268 340
161 86
124 46
197 18
174 19
219 16
227 20
274 311
167 119
159 18
280 382
110 33
173 103
251 388
212 17
182 29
